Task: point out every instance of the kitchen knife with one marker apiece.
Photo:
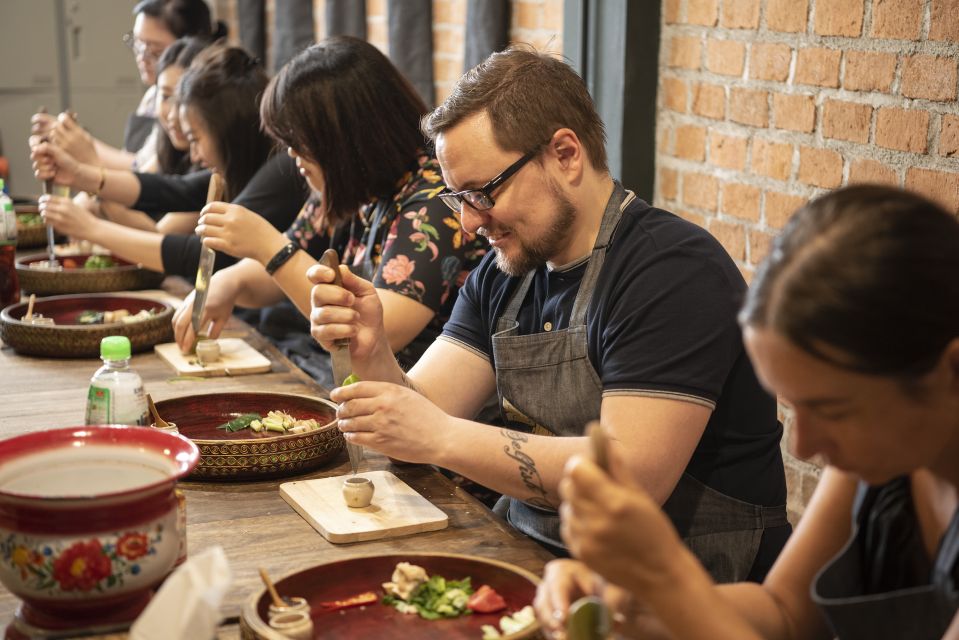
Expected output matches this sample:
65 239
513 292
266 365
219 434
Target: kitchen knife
340 355
205 267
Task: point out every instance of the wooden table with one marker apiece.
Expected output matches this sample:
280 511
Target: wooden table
251 521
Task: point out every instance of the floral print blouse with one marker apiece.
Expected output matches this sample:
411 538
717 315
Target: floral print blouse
412 244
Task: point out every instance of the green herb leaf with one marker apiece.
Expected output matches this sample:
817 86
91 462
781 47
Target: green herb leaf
239 423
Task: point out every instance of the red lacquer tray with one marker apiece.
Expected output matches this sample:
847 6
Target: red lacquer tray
344 578
67 339
246 455
74 278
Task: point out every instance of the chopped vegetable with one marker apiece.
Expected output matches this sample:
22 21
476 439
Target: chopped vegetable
510 624
436 598
486 600
99 262
91 316
350 379
240 422
358 600
29 219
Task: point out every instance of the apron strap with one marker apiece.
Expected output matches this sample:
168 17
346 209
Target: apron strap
948 554
379 214
611 217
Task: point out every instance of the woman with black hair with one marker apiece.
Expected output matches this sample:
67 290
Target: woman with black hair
218 110
351 121
853 320
157 24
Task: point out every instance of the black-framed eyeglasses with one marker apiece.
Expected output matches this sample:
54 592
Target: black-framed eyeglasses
482 199
140 48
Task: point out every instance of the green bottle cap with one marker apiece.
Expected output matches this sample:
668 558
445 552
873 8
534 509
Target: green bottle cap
115 348
2 184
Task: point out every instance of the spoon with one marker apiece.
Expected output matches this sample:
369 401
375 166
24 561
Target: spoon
157 420
277 600
29 314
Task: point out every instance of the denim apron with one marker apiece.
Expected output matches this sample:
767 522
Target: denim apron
547 386
917 613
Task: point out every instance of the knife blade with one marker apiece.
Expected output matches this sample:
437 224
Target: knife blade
205 267
340 355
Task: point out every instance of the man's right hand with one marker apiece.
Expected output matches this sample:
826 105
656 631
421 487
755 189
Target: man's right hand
352 311
50 162
220 300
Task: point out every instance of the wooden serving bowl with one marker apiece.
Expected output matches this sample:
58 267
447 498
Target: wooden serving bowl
345 578
125 276
30 235
246 455
67 339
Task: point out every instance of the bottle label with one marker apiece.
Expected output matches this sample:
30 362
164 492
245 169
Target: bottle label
99 406
9 220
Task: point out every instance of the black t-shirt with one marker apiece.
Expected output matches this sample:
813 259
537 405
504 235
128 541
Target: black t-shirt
276 192
661 323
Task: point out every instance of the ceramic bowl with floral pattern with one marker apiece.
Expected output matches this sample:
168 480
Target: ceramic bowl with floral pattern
89 521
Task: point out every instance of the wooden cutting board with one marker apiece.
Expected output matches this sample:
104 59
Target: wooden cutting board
237 358
397 509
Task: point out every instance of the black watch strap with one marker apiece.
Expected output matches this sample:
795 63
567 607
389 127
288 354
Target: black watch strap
281 257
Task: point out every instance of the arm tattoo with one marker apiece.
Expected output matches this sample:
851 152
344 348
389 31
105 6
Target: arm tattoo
527 468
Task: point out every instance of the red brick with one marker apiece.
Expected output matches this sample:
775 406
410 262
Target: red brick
671 11
949 138
867 71
929 77
668 179
700 191
709 100
731 236
526 15
749 107
794 112
674 94
740 14
741 201
695 218
944 24
691 143
940 186
818 66
665 141
787 15
770 61
820 167
728 152
702 12
759 245
725 57
902 129
553 16
898 19
684 52
865 170
780 207
846 120
839 18
772 159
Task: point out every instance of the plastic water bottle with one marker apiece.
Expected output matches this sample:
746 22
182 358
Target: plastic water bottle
9 283
116 391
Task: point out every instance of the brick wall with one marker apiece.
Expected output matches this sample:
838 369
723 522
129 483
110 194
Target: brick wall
536 22
766 103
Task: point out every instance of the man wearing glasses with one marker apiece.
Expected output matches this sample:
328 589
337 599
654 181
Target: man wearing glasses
592 306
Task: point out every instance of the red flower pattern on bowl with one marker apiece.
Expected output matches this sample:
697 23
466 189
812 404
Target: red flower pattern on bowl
88 521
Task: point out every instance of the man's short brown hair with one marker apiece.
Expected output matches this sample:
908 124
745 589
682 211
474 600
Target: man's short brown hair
527 96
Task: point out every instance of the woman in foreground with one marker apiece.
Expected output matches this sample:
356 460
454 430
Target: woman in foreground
853 321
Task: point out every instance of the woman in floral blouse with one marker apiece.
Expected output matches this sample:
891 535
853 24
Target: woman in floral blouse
351 121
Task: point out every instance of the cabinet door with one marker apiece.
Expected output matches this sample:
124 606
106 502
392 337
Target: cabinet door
28 46
96 55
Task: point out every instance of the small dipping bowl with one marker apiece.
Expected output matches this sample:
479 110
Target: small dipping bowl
294 624
358 492
292 604
169 428
207 351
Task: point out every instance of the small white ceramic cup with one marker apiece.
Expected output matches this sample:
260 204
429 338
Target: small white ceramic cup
358 492
294 624
292 604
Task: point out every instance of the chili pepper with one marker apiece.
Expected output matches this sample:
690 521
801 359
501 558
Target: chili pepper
368 597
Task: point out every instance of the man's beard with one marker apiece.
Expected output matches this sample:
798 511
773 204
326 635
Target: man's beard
536 252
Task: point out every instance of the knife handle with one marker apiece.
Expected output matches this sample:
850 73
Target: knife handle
215 191
331 260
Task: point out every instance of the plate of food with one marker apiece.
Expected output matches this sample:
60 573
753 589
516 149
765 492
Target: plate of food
254 436
72 326
83 273
424 596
